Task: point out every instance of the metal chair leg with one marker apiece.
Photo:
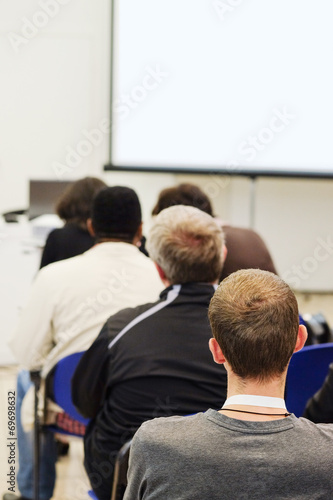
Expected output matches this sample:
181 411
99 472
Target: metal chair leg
35 378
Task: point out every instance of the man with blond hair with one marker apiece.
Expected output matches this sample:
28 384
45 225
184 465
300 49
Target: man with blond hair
252 448
152 360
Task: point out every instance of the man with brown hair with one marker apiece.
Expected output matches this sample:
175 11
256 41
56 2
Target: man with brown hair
246 249
252 448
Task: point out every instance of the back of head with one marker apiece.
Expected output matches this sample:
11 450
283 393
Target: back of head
183 194
74 206
187 244
116 214
254 318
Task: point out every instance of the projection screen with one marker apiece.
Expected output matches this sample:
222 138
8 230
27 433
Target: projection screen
234 86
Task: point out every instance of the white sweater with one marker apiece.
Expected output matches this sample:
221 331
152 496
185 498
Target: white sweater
70 301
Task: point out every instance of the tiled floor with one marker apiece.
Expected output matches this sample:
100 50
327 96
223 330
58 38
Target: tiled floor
72 482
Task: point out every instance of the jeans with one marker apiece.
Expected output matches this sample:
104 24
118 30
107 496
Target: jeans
25 442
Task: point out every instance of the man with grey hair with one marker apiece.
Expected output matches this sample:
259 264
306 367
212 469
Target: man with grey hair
153 360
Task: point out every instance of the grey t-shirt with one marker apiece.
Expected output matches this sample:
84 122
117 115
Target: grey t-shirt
209 456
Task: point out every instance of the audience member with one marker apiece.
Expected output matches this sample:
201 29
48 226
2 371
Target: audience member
252 447
69 303
152 360
319 408
245 247
74 208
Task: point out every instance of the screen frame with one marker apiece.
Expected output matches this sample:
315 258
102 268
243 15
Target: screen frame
238 171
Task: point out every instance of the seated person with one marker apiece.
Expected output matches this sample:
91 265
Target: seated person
245 247
252 447
73 207
319 408
68 304
152 360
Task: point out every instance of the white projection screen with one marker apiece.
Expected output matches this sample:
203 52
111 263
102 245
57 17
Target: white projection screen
236 86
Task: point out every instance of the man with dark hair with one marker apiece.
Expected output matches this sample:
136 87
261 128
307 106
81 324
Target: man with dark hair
152 360
74 208
116 215
69 302
252 447
246 249
183 194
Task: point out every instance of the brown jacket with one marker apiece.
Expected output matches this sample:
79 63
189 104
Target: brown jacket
246 250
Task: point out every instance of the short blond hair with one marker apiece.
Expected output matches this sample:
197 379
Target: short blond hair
254 318
187 244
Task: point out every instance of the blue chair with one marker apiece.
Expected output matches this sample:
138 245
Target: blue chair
61 394
306 374
62 375
59 385
92 495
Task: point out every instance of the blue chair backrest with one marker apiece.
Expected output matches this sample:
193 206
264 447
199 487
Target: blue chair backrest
306 373
63 374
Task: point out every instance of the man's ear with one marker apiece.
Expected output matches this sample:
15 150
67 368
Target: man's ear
162 275
224 252
301 338
138 235
90 227
160 271
216 351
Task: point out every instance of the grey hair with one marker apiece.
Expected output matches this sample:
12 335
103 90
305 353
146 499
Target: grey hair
187 244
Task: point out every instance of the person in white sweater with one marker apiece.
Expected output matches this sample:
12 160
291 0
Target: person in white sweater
69 302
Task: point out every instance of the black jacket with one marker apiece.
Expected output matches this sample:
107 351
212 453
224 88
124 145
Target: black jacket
66 242
148 361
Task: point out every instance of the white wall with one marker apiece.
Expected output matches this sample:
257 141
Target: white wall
54 85
292 215
54 90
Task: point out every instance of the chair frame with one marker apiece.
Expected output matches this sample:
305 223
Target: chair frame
61 388
307 371
61 376
120 472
